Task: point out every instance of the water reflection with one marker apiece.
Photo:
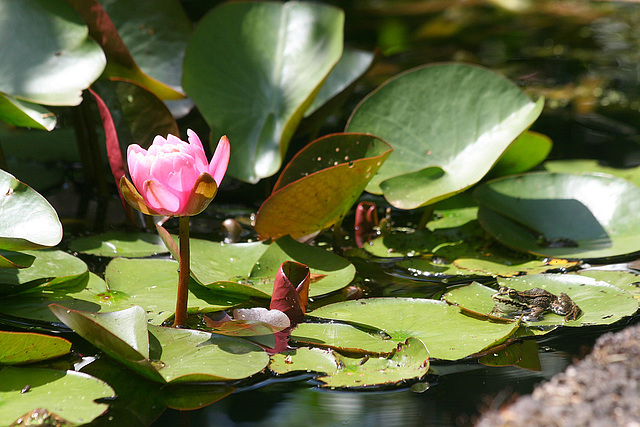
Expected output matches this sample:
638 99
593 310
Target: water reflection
460 392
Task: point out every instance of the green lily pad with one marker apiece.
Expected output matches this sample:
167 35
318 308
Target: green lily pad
253 266
448 333
28 221
25 114
409 360
155 33
627 280
9 259
50 269
344 338
27 347
171 355
61 395
119 244
304 359
138 22
267 72
601 303
562 215
448 125
526 152
522 353
153 285
62 59
320 184
191 396
577 166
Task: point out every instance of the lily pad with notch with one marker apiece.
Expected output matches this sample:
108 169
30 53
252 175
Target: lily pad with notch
445 330
165 355
588 216
448 125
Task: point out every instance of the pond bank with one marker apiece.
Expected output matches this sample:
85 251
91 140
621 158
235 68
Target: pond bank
601 390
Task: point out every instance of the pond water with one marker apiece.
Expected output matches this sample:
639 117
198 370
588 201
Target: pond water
586 61
583 57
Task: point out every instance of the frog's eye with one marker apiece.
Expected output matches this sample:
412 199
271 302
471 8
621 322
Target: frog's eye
512 293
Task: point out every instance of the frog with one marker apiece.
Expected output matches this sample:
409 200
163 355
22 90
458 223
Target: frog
534 302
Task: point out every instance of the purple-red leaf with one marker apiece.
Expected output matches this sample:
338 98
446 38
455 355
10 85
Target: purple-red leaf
366 220
291 290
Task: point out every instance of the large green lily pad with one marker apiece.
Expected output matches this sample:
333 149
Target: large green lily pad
119 244
526 152
250 268
577 166
28 221
47 54
153 285
50 269
562 215
320 184
256 86
63 396
447 333
171 355
601 303
448 125
28 347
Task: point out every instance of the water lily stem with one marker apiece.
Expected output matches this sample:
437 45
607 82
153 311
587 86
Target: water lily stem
180 320
426 216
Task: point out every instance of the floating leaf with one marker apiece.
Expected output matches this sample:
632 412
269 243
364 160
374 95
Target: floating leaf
600 302
250 268
119 244
526 152
447 332
579 166
25 114
172 355
626 280
256 85
121 64
28 221
49 57
320 184
303 359
51 269
56 395
562 215
9 259
344 338
409 361
27 347
155 33
442 144
152 284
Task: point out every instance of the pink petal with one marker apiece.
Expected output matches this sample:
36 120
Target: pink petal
176 171
198 151
220 160
161 199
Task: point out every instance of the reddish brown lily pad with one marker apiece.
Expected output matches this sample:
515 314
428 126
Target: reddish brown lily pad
320 184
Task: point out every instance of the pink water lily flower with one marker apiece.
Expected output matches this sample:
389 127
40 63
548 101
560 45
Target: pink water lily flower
173 177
